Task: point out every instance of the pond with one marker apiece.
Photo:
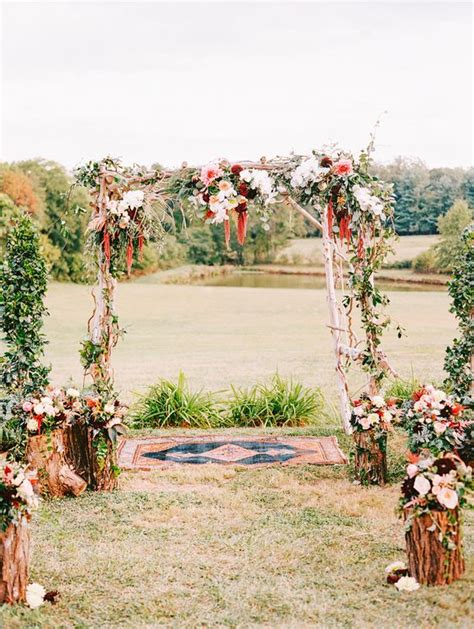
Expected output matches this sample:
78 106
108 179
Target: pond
260 279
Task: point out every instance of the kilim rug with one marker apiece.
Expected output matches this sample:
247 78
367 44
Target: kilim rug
151 452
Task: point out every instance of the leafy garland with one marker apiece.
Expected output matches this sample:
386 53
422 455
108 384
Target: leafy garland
458 359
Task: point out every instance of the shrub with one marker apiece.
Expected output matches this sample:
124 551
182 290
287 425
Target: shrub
168 404
402 389
23 282
426 262
282 403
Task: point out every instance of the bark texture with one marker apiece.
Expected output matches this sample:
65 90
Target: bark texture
428 561
370 457
100 474
14 562
48 454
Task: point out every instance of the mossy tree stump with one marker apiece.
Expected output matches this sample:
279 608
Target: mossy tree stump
48 454
96 464
429 561
370 459
14 562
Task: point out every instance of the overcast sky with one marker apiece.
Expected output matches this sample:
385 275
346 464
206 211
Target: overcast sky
167 82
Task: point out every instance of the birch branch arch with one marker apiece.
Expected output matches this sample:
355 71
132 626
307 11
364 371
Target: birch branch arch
334 192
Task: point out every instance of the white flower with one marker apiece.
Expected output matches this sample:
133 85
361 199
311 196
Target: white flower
365 423
422 485
307 172
438 395
46 401
396 565
260 180
50 410
387 416
412 470
35 594
358 411
38 409
109 408
367 201
25 490
439 427
407 584
72 393
131 200
32 425
373 418
448 498
378 401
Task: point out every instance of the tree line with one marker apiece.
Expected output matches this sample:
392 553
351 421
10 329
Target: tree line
43 189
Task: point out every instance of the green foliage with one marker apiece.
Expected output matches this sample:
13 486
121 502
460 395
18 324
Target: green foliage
23 282
457 361
402 389
450 227
169 404
426 262
423 195
281 403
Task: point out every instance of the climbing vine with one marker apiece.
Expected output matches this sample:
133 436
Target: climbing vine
458 359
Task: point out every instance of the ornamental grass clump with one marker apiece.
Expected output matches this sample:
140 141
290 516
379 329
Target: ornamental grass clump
280 403
169 404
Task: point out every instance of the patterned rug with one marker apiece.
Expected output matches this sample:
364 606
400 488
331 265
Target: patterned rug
151 452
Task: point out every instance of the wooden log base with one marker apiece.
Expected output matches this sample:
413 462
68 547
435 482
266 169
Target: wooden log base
370 459
428 560
99 472
14 562
49 456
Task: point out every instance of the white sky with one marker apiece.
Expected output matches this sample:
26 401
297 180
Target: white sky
167 82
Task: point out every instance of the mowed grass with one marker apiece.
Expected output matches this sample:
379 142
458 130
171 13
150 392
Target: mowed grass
222 335
219 546
309 250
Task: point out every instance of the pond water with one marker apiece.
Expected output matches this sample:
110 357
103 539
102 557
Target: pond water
260 279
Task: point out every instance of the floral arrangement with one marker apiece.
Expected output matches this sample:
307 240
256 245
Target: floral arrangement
355 199
123 216
17 496
435 421
56 408
435 485
221 192
62 407
373 413
104 416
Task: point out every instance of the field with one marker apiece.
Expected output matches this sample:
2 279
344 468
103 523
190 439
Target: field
308 250
214 546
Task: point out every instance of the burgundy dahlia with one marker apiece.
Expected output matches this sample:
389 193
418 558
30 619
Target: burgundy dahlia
236 169
326 162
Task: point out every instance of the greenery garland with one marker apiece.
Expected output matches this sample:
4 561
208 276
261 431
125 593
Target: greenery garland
457 362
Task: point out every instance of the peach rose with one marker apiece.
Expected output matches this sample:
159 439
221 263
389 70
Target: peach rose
343 167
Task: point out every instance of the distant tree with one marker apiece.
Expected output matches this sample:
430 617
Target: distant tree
19 188
450 227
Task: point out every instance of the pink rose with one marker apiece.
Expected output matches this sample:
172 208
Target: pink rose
439 427
448 498
27 407
422 485
412 470
209 173
343 167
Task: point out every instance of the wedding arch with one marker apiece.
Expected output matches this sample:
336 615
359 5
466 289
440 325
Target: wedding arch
331 189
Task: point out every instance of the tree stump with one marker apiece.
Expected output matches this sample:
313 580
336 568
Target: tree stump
48 454
370 457
428 560
100 473
14 562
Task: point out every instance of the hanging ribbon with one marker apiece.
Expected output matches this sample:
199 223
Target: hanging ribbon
227 232
129 256
242 221
330 217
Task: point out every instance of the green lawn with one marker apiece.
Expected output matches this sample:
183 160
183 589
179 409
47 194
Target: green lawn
216 546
